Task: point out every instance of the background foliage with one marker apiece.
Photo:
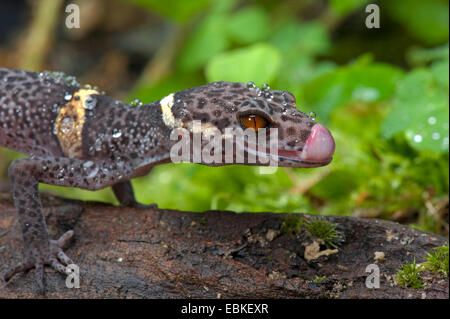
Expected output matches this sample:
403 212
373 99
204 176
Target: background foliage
383 93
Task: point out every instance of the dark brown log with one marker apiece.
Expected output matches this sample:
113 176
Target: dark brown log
133 253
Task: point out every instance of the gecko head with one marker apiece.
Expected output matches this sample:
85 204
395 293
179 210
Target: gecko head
228 107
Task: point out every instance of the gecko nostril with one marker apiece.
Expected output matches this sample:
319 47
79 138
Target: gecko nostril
290 131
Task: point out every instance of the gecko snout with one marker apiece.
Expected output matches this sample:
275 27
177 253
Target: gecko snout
319 146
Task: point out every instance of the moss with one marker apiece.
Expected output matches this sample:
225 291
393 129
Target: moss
319 279
437 260
324 230
318 228
409 276
291 224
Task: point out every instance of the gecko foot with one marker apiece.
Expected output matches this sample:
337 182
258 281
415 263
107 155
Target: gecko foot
38 257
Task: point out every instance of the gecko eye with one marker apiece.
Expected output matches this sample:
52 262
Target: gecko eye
254 121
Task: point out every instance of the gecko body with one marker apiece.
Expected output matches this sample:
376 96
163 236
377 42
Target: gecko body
77 137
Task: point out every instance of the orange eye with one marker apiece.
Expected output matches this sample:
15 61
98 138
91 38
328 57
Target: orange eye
253 121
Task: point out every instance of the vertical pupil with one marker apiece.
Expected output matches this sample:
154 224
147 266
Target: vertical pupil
253 119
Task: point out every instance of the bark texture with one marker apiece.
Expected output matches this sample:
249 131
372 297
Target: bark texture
157 253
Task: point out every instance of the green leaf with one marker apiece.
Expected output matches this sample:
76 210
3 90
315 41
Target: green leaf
336 185
420 56
342 7
421 111
249 25
177 10
361 81
296 71
440 72
259 63
430 132
207 40
294 38
426 20
170 84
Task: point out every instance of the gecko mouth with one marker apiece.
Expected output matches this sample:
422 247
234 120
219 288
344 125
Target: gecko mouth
317 151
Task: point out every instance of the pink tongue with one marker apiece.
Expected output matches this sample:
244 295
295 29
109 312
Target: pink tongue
319 146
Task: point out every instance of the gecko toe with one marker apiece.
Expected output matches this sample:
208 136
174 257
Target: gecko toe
64 240
51 255
17 269
64 258
39 276
56 265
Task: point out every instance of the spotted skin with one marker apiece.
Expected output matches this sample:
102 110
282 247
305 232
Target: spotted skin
77 137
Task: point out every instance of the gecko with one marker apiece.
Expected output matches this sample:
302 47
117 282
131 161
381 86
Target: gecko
76 136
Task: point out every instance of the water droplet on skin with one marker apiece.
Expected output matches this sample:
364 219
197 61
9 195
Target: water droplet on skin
72 80
136 102
90 168
431 120
312 115
90 103
417 138
251 85
268 95
88 164
265 87
259 92
66 125
116 133
435 136
60 175
98 145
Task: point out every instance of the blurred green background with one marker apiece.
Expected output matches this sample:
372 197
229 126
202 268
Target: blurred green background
383 93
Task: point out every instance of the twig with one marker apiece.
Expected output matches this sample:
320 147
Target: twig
308 183
161 63
38 40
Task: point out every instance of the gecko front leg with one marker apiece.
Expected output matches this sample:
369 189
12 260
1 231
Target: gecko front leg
25 174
